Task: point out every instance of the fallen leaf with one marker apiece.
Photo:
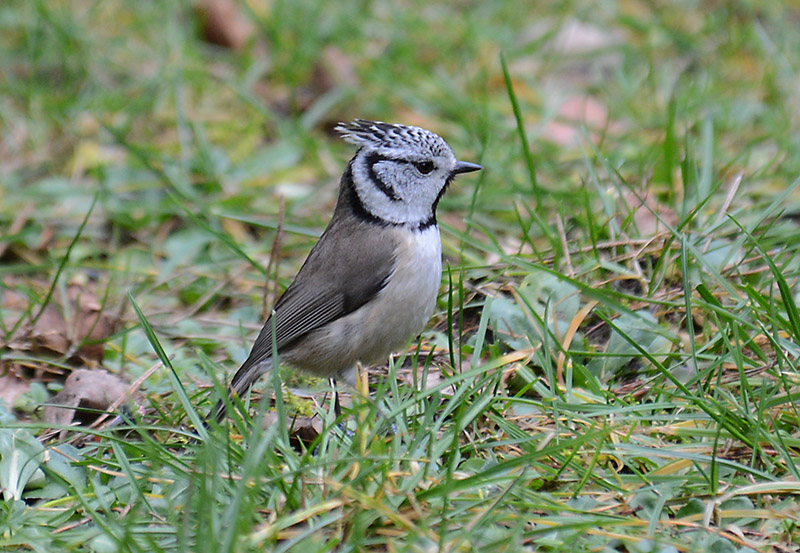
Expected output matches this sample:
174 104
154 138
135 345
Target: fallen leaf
94 390
303 430
80 337
223 24
11 388
49 333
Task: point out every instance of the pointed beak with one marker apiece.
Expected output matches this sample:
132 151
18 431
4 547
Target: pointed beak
465 167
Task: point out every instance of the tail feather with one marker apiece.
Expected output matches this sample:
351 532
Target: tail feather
245 377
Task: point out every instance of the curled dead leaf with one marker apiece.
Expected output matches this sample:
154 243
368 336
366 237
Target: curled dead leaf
11 388
223 23
77 335
303 430
87 390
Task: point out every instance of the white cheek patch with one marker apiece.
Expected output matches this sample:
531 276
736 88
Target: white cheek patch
390 178
401 178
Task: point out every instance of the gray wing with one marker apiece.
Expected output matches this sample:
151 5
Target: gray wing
338 277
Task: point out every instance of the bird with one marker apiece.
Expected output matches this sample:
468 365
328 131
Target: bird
370 283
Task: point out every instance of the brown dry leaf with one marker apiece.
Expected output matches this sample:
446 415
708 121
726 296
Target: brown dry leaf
49 332
302 429
305 429
84 389
54 334
649 215
11 388
223 23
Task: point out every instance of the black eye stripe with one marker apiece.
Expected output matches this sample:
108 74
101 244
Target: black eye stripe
387 190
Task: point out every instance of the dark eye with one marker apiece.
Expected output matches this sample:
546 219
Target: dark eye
424 167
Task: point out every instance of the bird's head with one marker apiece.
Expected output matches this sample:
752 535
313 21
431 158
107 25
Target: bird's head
400 172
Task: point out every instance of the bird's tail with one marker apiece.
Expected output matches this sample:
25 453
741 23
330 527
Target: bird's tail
245 377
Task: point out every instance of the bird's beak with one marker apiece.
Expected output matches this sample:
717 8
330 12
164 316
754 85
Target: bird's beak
465 167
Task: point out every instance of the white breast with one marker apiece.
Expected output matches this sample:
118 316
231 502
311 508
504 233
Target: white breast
404 306
385 324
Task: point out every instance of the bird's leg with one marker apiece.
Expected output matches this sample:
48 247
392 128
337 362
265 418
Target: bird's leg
337 410
337 406
362 382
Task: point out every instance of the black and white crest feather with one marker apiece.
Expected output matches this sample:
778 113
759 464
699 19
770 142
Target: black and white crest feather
377 134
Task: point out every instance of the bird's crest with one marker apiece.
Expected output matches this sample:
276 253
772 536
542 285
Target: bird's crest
377 134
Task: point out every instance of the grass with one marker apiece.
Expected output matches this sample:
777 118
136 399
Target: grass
613 364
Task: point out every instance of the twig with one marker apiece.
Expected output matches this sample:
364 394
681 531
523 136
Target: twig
274 256
563 235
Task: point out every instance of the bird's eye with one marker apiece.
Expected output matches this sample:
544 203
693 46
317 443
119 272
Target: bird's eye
424 167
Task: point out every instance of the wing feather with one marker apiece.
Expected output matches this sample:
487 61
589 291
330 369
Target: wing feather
337 278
